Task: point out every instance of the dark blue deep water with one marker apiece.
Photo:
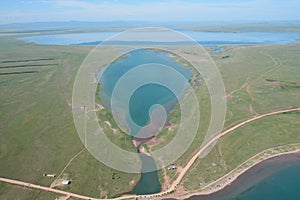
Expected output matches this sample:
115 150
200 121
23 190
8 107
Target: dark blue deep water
149 182
275 179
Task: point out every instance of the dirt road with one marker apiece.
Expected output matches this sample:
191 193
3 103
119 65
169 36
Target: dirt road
194 158
174 184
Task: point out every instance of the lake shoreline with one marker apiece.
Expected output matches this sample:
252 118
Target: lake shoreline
234 183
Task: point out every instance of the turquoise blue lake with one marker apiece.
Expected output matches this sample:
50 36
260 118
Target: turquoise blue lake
147 95
142 99
272 180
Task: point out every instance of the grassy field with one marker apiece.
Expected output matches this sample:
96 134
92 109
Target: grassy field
235 148
266 77
14 192
246 73
37 134
9 192
37 131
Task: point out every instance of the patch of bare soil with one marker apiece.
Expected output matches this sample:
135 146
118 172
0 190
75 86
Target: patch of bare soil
166 179
115 131
56 183
64 198
132 182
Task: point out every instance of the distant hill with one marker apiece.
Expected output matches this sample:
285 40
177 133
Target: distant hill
72 24
82 26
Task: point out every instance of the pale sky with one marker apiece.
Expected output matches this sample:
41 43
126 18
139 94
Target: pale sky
14 11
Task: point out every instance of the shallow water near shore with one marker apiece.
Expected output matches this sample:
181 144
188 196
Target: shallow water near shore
274 179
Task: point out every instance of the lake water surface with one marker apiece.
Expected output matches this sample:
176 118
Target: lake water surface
274 179
203 38
142 100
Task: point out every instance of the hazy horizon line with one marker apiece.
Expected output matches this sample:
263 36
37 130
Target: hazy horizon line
159 22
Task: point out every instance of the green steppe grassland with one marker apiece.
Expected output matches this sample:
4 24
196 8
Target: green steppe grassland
37 133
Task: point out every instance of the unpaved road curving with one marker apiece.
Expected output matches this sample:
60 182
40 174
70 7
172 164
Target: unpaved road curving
174 184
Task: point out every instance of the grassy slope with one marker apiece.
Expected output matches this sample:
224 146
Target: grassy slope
249 67
253 66
37 134
32 141
236 147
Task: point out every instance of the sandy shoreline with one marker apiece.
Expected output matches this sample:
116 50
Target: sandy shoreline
174 191
225 181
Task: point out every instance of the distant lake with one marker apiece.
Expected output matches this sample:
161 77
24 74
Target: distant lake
203 38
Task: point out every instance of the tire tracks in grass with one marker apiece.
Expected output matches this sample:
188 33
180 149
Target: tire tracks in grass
67 165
